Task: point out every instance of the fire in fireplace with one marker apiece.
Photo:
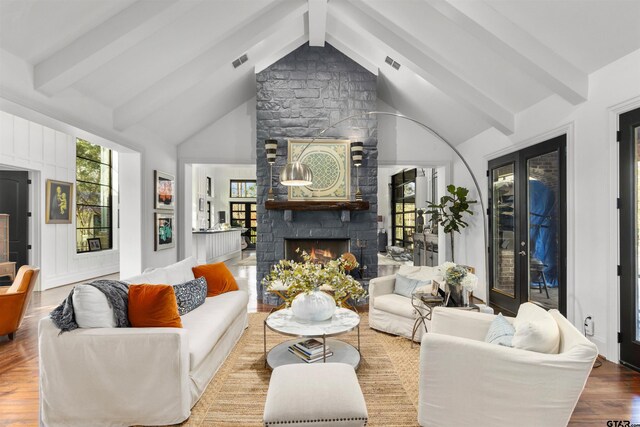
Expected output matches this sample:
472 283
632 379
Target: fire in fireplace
320 250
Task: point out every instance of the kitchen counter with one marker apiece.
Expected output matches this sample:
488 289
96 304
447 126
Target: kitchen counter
210 231
211 246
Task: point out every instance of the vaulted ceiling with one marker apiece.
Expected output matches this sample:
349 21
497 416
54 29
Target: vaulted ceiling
164 67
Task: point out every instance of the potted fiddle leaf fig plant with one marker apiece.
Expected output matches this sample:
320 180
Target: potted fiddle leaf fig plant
451 210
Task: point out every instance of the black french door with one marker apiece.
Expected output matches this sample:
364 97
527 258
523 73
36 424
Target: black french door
243 214
629 144
14 200
527 227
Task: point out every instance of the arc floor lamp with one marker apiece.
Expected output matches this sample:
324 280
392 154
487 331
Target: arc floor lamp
296 173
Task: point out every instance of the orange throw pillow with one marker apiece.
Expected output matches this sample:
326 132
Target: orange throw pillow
219 278
153 306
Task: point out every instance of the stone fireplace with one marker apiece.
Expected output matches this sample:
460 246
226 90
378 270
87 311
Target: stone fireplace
297 97
320 250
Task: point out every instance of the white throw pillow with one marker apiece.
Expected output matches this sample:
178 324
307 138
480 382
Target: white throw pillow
180 272
157 276
92 310
536 330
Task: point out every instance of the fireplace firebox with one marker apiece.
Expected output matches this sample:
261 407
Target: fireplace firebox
320 250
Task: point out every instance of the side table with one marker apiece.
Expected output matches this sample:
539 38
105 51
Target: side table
424 303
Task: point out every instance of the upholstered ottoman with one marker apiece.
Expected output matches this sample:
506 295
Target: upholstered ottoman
315 395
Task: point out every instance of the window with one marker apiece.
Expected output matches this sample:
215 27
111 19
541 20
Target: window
93 195
243 189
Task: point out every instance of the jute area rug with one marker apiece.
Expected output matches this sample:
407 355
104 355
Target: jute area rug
388 376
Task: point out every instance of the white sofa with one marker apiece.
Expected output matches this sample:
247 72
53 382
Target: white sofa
465 381
392 313
148 376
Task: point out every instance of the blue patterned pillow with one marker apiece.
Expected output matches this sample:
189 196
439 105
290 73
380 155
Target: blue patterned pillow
500 332
190 295
405 286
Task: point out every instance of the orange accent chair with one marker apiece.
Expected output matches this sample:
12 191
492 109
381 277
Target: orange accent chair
14 300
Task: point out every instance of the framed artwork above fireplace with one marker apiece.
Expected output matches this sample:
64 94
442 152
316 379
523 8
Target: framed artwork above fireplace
330 163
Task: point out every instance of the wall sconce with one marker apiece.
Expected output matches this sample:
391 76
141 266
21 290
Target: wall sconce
357 151
271 146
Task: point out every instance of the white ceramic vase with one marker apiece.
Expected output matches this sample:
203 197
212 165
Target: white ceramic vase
314 306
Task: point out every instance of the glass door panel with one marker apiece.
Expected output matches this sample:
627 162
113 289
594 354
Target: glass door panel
544 227
502 230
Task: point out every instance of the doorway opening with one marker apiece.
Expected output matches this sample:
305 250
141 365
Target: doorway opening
14 223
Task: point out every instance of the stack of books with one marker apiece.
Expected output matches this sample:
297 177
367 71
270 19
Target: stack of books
310 350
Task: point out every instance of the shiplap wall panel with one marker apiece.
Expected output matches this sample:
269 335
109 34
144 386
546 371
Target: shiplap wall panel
36 142
29 145
21 138
6 134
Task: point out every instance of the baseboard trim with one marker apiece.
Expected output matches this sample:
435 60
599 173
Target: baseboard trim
78 277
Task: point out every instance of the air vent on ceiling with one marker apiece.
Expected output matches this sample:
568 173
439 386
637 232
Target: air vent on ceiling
238 62
393 63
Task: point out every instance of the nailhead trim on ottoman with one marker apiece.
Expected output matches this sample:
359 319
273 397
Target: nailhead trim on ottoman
315 395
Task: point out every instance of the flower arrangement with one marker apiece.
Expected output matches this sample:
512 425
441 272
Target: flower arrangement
455 274
308 276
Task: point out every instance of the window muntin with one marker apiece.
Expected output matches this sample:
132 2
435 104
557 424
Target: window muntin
94 189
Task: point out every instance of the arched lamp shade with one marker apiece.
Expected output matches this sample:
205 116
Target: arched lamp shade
296 174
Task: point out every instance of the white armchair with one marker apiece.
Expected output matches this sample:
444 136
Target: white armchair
465 381
393 313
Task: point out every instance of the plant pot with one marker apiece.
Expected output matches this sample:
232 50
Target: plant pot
313 307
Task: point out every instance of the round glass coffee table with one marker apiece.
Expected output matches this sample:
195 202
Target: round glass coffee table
285 323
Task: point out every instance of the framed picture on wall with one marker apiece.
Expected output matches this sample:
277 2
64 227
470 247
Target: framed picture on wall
94 244
165 235
59 202
330 163
165 190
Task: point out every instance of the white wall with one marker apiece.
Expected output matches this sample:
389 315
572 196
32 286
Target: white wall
51 154
592 177
230 140
162 158
199 175
401 142
130 209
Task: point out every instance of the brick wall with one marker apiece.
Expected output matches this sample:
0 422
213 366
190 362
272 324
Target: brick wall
297 97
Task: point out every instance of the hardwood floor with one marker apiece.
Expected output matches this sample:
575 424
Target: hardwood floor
612 391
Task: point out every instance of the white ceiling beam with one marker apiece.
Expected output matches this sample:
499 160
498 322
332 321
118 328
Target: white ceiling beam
258 27
272 58
517 46
342 38
317 22
207 101
106 41
427 63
